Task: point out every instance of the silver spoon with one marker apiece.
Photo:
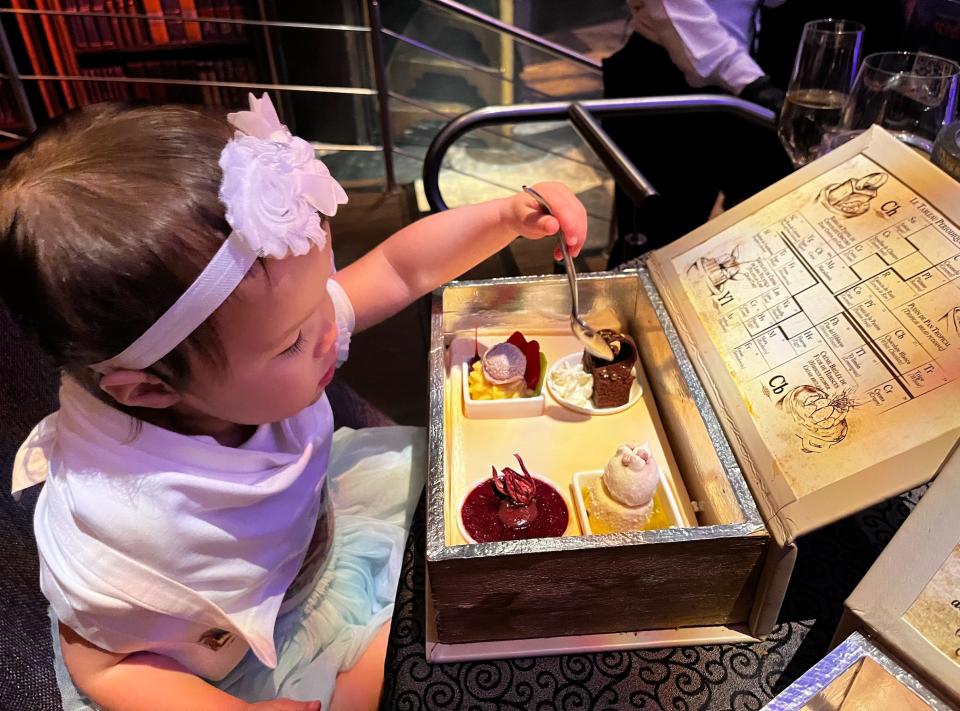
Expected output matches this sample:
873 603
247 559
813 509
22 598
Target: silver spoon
591 340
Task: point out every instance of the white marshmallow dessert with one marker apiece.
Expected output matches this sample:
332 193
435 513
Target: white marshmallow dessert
623 496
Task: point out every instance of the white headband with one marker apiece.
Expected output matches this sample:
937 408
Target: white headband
274 188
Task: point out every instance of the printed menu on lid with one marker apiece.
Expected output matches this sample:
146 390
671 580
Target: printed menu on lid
836 311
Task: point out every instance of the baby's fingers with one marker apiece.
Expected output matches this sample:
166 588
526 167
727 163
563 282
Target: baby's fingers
547 225
568 213
530 218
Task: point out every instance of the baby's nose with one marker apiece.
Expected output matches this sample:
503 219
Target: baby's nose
327 337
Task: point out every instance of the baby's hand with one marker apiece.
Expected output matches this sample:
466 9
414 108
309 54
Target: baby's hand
525 216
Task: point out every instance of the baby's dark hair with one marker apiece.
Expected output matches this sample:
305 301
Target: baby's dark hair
106 217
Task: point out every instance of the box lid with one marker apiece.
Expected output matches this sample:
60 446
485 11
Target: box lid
917 616
823 316
856 675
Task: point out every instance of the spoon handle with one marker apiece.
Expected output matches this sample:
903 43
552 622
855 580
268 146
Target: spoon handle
567 259
571 274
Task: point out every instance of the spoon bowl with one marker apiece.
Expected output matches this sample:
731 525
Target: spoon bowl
592 342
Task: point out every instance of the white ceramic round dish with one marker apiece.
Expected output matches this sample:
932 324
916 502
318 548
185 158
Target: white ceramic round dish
635 391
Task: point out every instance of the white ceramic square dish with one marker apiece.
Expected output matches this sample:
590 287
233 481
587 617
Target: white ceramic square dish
495 409
582 480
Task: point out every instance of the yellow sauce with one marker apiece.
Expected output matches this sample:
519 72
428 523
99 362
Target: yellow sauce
480 389
658 517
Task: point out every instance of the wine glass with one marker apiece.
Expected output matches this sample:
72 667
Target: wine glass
822 76
911 94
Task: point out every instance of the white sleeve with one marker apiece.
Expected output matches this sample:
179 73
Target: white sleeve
698 44
346 320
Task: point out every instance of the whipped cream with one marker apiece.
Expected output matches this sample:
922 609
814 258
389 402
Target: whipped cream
570 382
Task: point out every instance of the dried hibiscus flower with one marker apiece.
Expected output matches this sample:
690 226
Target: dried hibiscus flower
519 507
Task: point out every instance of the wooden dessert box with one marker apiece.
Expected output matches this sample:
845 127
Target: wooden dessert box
788 377
585 585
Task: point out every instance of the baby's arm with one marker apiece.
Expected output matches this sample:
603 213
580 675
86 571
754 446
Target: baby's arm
144 681
431 251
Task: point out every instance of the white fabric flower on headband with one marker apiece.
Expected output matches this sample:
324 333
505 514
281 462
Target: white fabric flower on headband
274 185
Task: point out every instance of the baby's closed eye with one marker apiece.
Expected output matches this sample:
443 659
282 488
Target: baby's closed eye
295 347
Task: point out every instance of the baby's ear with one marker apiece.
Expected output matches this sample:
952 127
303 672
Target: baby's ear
137 388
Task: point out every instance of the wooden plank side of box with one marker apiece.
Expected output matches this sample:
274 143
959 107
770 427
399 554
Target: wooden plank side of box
706 581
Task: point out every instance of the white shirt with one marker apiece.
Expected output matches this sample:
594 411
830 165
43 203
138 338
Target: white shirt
174 544
708 40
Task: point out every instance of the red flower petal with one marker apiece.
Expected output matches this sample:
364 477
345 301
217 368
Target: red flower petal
531 350
517 339
532 373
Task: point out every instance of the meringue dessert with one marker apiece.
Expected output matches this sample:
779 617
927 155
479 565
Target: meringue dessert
507 370
626 497
514 505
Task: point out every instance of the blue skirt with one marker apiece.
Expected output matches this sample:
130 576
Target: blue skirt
375 478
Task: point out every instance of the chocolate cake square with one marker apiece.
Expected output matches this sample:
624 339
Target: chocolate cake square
612 380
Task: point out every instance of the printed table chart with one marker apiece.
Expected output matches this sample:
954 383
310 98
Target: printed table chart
836 310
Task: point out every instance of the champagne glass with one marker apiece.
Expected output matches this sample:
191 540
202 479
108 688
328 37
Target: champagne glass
822 76
911 94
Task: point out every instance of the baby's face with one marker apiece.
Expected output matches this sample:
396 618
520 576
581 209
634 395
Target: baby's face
279 335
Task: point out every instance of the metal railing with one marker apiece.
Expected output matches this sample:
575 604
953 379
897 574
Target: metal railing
477 17
374 30
542 43
383 92
583 115
16 78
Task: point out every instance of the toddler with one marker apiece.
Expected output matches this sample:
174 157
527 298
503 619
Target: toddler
206 540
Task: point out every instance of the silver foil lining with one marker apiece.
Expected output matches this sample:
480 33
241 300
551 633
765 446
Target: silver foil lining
699 394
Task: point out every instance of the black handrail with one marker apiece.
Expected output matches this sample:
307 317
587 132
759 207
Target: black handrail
617 162
583 114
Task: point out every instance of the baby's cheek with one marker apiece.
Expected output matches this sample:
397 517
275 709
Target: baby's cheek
292 394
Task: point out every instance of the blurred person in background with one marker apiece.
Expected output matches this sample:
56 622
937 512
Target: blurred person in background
684 47
743 48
